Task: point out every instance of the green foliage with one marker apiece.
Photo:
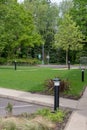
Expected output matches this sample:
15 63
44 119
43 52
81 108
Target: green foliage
9 109
78 13
31 61
65 7
32 78
3 61
44 112
17 29
64 86
23 61
69 36
58 116
25 27
45 16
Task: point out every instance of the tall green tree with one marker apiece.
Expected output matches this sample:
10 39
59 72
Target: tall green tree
17 28
45 16
65 6
79 14
68 37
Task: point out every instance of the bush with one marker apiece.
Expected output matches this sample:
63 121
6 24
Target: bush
64 86
58 116
9 109
2 61
23 61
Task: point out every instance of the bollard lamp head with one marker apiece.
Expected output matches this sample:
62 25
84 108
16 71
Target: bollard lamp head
56 81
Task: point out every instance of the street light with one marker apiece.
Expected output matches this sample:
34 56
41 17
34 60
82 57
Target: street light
56 93
82 75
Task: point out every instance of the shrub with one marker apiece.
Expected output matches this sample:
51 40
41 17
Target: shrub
9 109
2 61
58 116
64 86
49 85
32 61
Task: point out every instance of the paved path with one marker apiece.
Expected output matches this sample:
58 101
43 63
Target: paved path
19 107
36 98
78 119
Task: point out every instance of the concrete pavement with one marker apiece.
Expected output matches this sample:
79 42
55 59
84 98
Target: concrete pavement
36 98
78 119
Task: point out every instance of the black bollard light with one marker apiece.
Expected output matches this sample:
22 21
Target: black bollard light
82 75
15 64
56 93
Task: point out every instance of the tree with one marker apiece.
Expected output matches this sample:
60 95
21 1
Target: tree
45 16
17 28
65 6
68 37
79 15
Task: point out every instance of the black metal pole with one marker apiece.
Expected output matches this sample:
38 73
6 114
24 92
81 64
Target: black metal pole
15 64
82 75
56 97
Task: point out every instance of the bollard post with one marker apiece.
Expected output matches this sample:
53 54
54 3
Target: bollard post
82 75
56 93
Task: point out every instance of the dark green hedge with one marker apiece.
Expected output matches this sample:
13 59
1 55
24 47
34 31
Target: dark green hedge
32 61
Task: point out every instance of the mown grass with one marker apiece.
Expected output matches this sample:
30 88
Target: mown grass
32 78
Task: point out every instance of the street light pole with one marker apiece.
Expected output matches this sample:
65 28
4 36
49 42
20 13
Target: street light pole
82 75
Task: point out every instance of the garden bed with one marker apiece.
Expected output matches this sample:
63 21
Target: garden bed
34 121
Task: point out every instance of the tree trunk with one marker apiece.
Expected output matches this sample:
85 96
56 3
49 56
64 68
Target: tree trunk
66 57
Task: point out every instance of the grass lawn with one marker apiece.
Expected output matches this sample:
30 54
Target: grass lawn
32 78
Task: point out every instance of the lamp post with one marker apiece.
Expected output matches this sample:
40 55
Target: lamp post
56 93
82 75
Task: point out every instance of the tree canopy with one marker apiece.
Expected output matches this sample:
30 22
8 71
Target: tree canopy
69 37
17 28
26 28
